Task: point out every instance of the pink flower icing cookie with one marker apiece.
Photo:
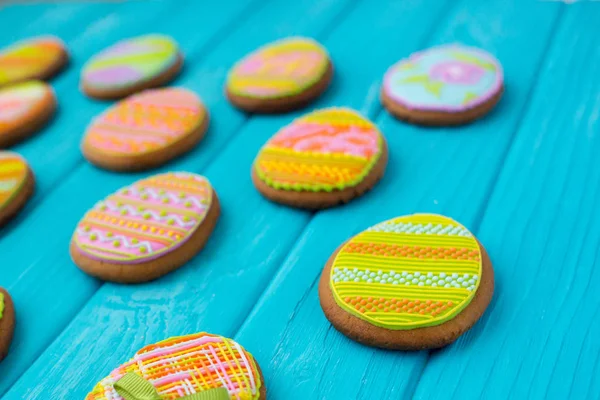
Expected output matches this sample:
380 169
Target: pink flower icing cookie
192 367
24 109
445 85
281 76
146 130
322 159
148 229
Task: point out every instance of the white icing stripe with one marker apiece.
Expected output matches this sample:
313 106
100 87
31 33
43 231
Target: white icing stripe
154 195
101 238
132 211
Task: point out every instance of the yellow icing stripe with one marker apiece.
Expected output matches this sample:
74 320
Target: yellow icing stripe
408 272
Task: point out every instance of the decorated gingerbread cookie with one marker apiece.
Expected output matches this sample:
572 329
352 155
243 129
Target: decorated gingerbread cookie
445 85
413 282
146 130
281 76
193 367
36 58
16 184
7 322
130 66
146 230
24 109
320 160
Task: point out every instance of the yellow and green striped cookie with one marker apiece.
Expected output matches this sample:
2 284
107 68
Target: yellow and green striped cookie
413 282
280 76
131 65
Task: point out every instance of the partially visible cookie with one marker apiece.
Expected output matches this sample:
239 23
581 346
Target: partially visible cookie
148 229
146 130
24 109
444 85
131 65
36 58
7 322
322 159
410 283
281 76
16 184
183 367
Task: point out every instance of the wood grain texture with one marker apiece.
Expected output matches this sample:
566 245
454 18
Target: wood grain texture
62 206
540 338
237 233
524 180
448 171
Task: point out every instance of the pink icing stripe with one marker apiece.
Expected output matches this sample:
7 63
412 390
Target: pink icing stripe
113 75
159 352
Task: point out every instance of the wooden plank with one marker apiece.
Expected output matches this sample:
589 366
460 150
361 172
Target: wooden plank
111 344
449 171
541 336
28 266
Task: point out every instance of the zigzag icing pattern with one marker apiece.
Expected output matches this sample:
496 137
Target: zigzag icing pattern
409 272
145 220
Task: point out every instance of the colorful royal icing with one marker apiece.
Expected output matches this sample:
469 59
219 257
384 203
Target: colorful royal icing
13 175
18 101
29 59
146 220
445 78
329 149
186 365
283 68
131 61
408 272
146 122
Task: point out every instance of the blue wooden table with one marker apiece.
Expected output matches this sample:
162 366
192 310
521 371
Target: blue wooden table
525 180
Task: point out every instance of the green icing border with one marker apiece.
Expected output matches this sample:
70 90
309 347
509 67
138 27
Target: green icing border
299 187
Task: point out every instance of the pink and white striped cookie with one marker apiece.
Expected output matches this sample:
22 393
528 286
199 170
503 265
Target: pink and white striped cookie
147 229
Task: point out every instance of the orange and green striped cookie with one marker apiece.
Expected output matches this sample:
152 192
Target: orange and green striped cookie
16 184
413 282
35 58
324 158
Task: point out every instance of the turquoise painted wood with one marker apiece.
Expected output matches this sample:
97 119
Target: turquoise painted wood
524 180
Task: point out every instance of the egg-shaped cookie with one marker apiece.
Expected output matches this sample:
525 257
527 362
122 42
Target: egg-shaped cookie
444 85
412 282
191 367
147 229
322 159
36 58
131 65
16 184
24 109
280 76
146 130
7 322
